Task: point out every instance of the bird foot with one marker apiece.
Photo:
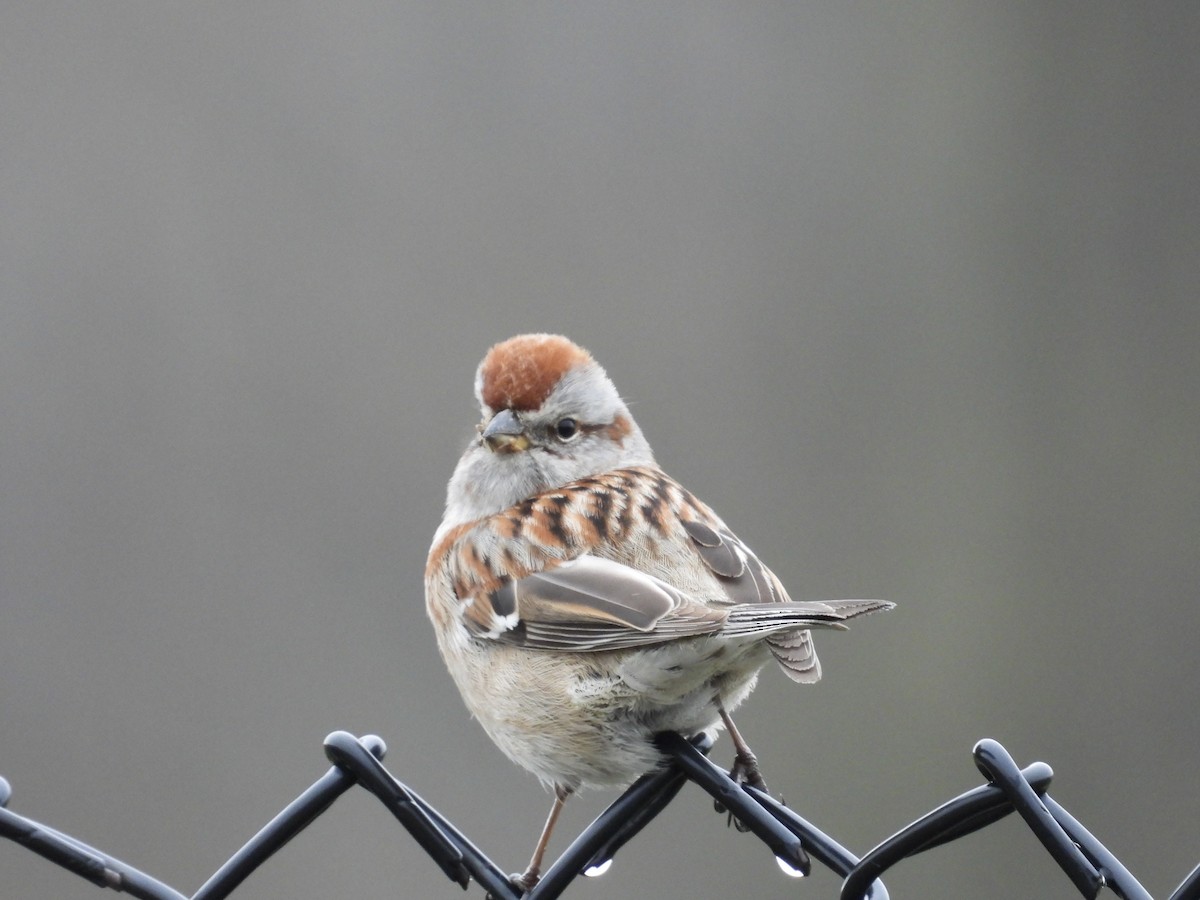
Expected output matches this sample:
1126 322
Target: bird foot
526 881
745 771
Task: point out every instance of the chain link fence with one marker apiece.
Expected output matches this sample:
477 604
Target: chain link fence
795 842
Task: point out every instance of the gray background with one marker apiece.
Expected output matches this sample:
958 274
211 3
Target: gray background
906 291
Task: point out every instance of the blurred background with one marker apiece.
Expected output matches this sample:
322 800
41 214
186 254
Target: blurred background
906 291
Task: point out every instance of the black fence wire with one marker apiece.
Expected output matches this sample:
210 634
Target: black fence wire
793 840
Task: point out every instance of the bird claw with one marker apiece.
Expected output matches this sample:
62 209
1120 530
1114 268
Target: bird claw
524 882
745 771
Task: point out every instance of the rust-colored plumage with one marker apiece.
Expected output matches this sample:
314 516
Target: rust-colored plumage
608 516
519 373
582 599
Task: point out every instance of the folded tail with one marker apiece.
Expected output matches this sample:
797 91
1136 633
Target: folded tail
787 628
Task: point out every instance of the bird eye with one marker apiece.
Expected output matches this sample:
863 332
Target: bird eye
566 429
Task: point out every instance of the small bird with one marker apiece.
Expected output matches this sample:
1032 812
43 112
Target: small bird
583 600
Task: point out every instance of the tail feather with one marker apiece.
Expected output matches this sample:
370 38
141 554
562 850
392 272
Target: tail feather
787 625
764 618
796 655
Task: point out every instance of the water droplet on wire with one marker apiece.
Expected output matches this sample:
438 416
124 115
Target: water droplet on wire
599 869
788 869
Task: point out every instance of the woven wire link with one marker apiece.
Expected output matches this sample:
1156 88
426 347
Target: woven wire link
1087 863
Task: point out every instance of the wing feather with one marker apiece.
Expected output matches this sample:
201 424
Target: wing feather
593 589
561 571
741 574
590 604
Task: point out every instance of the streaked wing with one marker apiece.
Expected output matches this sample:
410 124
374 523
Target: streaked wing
561 571
745 579
590 588
742 575
590 604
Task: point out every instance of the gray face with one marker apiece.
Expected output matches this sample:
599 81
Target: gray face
582 428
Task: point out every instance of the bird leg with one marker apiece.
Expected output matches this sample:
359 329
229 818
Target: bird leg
533 872
745 764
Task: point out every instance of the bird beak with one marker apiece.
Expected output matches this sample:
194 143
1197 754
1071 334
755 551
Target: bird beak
505 433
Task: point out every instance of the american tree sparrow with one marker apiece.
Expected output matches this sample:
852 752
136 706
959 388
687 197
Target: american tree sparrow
582 599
